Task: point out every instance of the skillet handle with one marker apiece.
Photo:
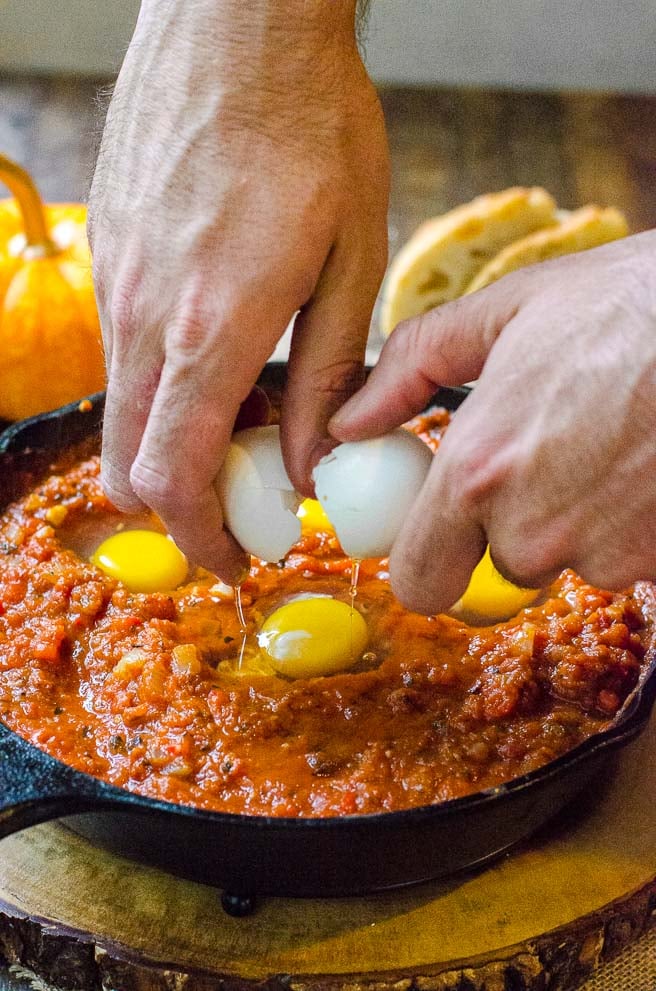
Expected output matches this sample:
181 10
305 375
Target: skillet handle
35 787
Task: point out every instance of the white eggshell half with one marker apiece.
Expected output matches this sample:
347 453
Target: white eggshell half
368 487
258 500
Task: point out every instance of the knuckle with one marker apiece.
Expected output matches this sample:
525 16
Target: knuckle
118 493
192 331
153 486
341 379
529 560
424 341
522 569
407 335
121 296
329 381
474 479
406 340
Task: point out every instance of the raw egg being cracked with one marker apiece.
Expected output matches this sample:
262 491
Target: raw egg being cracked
313 517
143 560
313 636
365 490
364 493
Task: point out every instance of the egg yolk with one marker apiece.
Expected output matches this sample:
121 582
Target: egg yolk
491 597
313 636
144 560
313 517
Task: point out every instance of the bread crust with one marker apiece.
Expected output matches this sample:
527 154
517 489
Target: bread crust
589 227
445 253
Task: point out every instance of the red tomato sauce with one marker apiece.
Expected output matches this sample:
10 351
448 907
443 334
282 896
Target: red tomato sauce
90 673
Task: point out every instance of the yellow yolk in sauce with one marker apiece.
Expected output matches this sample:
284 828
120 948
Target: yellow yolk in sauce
313 636
143 560
313 517
490 597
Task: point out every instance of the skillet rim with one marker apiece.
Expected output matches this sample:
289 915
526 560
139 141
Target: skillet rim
631 720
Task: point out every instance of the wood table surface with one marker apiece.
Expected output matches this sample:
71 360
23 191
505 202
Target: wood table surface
447 145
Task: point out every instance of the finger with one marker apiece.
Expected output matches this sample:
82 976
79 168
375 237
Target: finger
174 469
132 384
326 363
437 550
447 346
204 380
522 569
127 408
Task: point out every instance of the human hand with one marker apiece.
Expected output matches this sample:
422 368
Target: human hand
552 458
243 176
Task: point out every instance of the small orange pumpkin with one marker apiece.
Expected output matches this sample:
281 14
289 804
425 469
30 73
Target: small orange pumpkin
50 341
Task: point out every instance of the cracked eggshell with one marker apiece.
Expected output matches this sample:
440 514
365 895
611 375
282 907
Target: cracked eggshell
368 487
258 500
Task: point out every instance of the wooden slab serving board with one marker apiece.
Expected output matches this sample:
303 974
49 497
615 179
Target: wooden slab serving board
540 918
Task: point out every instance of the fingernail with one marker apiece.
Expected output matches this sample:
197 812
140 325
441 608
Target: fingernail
342 417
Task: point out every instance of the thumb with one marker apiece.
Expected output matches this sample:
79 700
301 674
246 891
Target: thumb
446 346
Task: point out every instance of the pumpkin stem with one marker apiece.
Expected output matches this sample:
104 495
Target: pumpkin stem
22 187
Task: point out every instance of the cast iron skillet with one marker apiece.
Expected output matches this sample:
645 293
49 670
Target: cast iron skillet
252 855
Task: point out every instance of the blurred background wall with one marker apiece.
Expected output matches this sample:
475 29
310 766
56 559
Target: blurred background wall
589 44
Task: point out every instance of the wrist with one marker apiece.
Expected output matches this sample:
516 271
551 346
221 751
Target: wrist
272 49
235 23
